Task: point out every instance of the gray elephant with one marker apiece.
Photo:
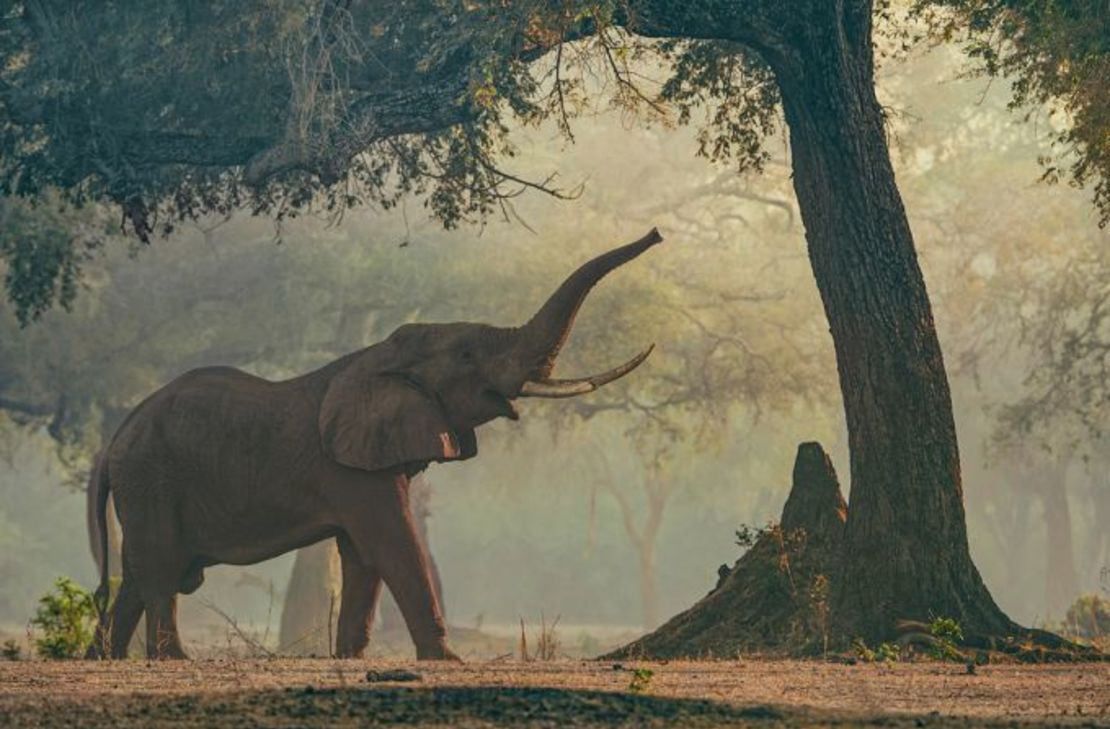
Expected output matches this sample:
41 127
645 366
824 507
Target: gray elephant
222 467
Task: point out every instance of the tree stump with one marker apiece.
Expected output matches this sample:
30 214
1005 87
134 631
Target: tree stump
776 597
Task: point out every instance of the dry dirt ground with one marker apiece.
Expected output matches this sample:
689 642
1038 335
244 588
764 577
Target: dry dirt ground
756 692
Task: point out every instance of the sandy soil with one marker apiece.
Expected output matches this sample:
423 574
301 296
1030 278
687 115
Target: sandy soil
308 692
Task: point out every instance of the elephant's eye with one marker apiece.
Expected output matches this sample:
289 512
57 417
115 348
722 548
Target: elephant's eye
467 356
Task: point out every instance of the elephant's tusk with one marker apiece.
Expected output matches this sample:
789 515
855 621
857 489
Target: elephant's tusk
582 385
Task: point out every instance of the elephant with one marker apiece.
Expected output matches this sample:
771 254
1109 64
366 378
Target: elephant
222 467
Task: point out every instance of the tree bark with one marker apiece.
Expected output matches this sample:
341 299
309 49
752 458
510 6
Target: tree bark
906 549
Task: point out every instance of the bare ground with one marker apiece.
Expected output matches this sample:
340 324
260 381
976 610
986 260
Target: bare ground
763 692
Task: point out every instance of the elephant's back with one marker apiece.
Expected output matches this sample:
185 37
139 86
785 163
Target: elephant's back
214 439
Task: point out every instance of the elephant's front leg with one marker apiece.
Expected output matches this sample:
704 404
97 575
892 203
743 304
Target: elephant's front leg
362 585
390 543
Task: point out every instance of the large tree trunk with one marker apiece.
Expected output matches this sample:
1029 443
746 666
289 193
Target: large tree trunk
906 549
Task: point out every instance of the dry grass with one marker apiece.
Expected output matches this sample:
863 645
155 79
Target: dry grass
803 692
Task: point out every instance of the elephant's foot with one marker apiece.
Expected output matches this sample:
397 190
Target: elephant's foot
167 646
349 651
438 652
98 649
162 639
168 652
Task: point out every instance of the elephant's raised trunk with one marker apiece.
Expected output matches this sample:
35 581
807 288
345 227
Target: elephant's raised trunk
544 335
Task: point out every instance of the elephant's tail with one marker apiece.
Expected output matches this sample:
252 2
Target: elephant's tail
98 527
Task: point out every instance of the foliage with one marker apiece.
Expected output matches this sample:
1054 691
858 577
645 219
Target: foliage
862 651
641 680
947 635
287 106
886 652
44 248
747 535
65 617
282 106
1055 55
275 107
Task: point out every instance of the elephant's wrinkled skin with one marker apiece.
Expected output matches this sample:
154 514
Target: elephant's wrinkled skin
221 467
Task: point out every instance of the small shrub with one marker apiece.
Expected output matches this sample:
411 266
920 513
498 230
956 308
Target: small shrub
66 617
547 648
547 643
747 535
885 652
11 650
888 652
641 680
865 654
947 634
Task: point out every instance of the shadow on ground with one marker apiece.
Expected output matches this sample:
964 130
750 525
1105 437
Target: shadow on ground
456 707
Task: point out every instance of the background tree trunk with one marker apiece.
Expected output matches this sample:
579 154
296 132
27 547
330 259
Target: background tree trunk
1061 586
643 536
649 590
906 549
313 591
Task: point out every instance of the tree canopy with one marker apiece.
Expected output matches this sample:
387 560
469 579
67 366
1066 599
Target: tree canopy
173 111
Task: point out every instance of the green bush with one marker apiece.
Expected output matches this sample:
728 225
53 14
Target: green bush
641 680
862 651
66 618
947 634
888 652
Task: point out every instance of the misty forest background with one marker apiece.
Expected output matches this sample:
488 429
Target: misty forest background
616 509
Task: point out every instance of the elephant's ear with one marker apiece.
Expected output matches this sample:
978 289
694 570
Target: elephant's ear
375 422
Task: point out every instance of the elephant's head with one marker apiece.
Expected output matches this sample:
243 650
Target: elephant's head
418 396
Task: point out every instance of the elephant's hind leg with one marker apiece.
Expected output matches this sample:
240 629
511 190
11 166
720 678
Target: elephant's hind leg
123 617
162 639
362 586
